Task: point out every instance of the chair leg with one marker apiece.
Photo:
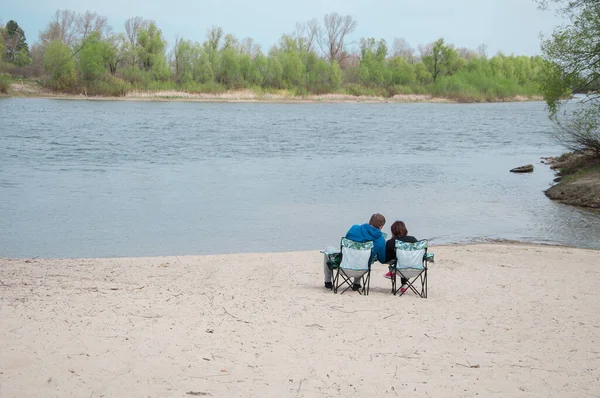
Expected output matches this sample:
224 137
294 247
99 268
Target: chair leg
336 275
345 280
366 283
422 278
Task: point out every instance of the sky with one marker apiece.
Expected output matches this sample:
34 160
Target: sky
510 26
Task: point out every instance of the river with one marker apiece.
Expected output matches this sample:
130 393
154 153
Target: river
124 178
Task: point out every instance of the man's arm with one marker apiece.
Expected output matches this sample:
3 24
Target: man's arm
380 249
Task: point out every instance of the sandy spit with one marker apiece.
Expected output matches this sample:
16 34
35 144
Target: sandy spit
501 320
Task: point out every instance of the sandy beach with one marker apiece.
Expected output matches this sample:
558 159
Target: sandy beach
501 320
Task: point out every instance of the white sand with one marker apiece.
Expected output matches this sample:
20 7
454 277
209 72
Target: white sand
500 321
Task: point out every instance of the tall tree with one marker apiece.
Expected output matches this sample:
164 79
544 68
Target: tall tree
306 34
62 27
132 28
2 46
401 48
92 57
150 47
572 53
15 44
90 22
250 47
332 37
59 64
114 51
439 59
373 69
213 39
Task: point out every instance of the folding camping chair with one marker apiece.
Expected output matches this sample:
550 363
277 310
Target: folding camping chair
411 264
356 263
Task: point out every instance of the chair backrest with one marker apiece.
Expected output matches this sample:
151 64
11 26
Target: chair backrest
411 255
356 255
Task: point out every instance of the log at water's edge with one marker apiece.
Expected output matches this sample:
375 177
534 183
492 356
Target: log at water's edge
528 168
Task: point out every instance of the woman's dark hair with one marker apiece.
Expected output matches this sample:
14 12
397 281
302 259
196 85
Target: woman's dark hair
399 229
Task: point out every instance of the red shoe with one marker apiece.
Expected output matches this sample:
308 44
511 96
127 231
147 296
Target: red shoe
403 289
390 275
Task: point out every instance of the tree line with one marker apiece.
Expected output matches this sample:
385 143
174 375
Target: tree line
81 52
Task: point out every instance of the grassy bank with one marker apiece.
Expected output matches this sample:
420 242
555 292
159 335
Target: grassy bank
29 87
578 181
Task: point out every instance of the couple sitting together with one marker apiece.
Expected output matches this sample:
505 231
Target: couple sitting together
385 252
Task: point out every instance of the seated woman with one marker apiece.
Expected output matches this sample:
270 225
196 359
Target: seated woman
399 232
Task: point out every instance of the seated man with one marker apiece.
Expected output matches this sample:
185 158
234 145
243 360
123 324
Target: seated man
363 233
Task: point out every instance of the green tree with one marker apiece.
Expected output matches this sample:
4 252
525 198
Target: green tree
184 55
258 70
440 60
151 47
572 57
16 49
402 73
273 73
2 45
203 68
293 70
114 52
230 74
373 69
422 74
92 57
60 66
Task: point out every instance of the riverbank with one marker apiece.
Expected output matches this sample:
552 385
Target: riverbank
578 181
500 320
30 89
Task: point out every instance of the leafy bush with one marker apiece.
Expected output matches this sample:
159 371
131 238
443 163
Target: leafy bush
108 86
5 81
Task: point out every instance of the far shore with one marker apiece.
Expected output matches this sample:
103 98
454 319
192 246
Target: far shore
28 90
500 320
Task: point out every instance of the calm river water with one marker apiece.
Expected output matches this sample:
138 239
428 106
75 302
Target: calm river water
121 178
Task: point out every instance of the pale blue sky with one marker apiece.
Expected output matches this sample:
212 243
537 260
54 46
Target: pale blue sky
510 26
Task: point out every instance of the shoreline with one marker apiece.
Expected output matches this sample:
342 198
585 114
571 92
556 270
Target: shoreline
463 244
578 181
21 90
500 320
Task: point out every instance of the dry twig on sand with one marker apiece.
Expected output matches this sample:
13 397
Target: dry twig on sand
235 317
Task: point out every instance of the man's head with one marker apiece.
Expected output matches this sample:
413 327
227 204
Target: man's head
377 220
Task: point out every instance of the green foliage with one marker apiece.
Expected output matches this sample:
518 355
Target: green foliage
293 69
401 72
14 48
230 74
273 75
2 45
572 64
60 66
92 57
442 60
5 82
151 48
373 71
107 85
112 64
